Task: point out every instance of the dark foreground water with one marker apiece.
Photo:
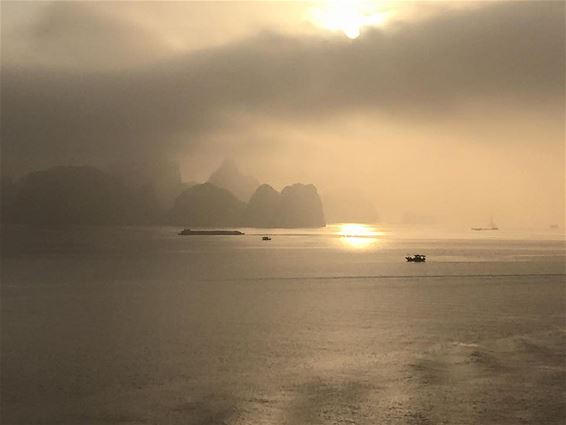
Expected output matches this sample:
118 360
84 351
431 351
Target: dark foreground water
140 326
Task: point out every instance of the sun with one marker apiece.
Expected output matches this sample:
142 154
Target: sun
350 17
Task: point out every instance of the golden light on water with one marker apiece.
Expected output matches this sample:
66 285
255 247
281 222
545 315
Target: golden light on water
358 235
350 17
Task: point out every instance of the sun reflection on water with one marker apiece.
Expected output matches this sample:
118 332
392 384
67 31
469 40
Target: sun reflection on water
359 236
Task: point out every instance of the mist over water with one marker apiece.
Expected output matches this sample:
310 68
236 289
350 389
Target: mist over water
431 118
138 325
452 111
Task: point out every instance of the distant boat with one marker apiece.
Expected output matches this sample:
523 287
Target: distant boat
491 226
266 238
417 258
189 232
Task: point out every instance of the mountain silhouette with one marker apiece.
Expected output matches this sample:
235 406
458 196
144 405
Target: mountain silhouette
229 177
159 178
263 208
75 195
86 195
300 207
206 205
297 205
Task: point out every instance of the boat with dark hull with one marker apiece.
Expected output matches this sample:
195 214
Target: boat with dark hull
416 258
189 232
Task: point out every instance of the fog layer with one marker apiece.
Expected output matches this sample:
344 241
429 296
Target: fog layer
459 116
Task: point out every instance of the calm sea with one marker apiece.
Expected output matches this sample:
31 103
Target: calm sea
141 326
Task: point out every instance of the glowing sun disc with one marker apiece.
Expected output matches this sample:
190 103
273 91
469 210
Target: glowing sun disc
350 17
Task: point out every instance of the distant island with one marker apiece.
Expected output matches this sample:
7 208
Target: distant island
205 205
297 205
153 194
229 177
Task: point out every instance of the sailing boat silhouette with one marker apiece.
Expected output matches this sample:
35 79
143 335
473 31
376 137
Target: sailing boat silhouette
491 226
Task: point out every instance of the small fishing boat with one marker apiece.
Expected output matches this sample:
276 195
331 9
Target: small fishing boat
266 238
417 258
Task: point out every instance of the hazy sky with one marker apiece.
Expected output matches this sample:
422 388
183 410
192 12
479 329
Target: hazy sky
454 110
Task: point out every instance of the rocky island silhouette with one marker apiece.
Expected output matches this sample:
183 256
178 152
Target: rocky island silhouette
74 195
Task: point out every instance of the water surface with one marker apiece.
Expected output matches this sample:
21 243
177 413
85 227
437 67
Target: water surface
141 326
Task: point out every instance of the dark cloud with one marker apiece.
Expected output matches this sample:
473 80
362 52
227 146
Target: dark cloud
81 35
505 54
